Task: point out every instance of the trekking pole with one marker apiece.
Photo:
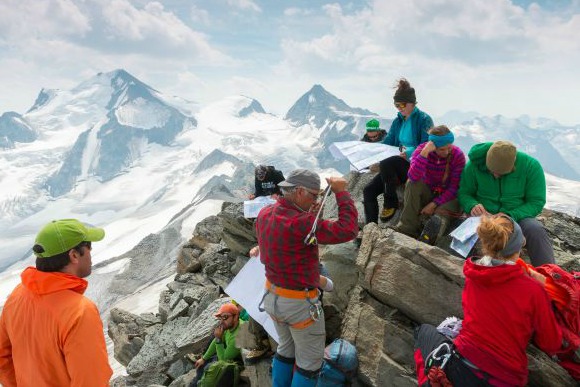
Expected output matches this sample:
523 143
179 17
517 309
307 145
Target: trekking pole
311 237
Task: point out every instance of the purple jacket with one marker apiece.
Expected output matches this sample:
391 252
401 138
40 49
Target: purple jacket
430 171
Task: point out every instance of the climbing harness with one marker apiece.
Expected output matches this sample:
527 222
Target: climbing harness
310 239
440 354
314 311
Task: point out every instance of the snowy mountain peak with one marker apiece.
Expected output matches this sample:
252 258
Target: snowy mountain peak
126 89
318 106
43 98
14 128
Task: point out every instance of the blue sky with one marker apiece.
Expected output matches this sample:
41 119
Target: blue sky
493 57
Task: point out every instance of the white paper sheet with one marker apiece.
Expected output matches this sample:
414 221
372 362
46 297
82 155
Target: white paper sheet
465 236
253 207
466 229
362 154
247 288
464 248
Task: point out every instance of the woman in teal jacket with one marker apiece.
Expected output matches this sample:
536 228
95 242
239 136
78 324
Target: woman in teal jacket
499 179
407 131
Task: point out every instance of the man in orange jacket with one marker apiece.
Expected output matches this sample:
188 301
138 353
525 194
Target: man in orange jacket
50 334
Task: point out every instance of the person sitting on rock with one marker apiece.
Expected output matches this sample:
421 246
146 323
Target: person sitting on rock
374 132
408 130
431 189
223 346
266 181
504 306
498 179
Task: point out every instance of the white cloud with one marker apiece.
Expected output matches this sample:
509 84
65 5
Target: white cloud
199 15
245 5
22 19
155 26
294 11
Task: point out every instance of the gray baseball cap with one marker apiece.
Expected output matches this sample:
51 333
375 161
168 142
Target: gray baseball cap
303 178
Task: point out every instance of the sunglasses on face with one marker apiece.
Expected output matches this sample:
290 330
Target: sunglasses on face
224 317
400 105
84 244
314 195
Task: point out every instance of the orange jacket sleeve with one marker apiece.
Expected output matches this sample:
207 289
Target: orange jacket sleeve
85 350
7 374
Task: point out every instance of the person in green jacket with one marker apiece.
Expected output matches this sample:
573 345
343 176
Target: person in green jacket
499 179
223 346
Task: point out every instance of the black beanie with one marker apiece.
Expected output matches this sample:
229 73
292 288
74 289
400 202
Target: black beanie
405 95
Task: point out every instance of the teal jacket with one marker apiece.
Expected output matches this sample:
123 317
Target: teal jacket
519 194
420 122
226 349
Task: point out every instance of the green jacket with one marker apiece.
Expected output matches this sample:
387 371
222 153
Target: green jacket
519 194
226 349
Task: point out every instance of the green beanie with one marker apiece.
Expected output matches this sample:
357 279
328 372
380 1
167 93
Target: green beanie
373 125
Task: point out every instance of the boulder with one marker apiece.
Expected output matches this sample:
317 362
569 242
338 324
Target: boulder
239 233
187 260
209 230
383 290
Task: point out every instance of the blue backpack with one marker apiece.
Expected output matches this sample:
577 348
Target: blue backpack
339 366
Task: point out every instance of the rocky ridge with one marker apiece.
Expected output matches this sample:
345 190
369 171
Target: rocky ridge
384 289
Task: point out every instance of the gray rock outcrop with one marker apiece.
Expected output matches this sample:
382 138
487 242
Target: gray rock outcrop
383 290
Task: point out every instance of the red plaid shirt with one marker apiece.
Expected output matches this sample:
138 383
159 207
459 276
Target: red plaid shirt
281 229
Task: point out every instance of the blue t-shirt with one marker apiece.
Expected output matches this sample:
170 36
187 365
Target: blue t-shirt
406 136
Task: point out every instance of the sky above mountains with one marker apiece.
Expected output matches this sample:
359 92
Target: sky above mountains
493 57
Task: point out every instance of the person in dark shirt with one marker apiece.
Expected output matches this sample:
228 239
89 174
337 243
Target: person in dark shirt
374 132
267 179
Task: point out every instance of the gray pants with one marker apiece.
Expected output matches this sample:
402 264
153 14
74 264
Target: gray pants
417 196
306 345
538 242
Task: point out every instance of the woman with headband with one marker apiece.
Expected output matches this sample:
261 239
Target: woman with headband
431 190
503 307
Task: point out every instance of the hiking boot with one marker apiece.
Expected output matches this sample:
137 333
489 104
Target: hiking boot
259 352
432 230
256 354
387 213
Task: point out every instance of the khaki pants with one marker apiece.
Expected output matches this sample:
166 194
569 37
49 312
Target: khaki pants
306 345
418 195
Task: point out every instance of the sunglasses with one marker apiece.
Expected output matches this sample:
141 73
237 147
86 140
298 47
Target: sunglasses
224 317
400 105
84 244
314 195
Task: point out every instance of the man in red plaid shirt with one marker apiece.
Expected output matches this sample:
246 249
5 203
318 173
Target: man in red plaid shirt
292 271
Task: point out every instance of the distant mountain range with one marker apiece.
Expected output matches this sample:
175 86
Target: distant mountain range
115 147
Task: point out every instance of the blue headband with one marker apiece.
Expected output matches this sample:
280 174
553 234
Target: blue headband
515 242
440 141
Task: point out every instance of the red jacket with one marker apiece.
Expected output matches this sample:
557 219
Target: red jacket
503 309
281 229
52 335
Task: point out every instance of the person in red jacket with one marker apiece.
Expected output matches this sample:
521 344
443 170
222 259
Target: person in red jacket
50 334
504 307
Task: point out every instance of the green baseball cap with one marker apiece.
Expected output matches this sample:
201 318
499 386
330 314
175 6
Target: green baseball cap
60 236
